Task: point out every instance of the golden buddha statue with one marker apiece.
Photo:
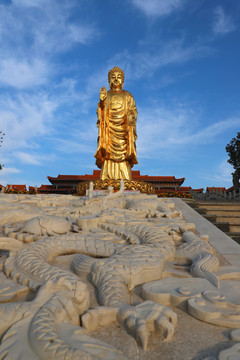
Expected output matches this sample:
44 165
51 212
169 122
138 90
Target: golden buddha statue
117 116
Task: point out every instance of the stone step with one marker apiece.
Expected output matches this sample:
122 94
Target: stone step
234 228
227 218
216 205
218 212
224 226
228 227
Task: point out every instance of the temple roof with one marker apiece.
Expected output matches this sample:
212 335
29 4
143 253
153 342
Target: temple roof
16 187
135 176
217 189
188 188
44 187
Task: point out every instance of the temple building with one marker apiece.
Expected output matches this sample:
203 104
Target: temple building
66 184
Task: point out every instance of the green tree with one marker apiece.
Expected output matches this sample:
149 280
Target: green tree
233 150
1 140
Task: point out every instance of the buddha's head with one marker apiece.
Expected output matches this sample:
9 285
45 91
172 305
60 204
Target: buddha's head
116 78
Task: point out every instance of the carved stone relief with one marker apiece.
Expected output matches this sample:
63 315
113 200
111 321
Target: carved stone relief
137 252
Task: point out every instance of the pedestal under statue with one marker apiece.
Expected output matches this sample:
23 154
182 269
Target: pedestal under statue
117 116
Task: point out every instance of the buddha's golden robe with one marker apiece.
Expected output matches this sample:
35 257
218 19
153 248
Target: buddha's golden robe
116 152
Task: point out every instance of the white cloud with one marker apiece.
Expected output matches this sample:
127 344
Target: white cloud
23 74
10 170
223 23
27 3
45 26
139 65
145 63
158 7
207 134
75 147
220 175
167 129
27 158
224 171
24 118
32 34
83 97
162 127
32 158
6 175
81 34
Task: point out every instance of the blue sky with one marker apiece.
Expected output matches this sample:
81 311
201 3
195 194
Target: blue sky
181 61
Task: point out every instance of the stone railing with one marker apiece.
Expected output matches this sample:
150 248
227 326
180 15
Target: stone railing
215 194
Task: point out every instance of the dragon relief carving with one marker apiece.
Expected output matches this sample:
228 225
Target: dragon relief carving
119 245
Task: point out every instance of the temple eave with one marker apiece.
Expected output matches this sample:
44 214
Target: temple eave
67 183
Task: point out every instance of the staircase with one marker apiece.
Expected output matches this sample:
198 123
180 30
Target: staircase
224 215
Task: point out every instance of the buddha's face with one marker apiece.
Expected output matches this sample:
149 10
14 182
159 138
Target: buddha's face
116 81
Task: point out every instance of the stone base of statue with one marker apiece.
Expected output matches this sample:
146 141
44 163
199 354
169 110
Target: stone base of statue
141 186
